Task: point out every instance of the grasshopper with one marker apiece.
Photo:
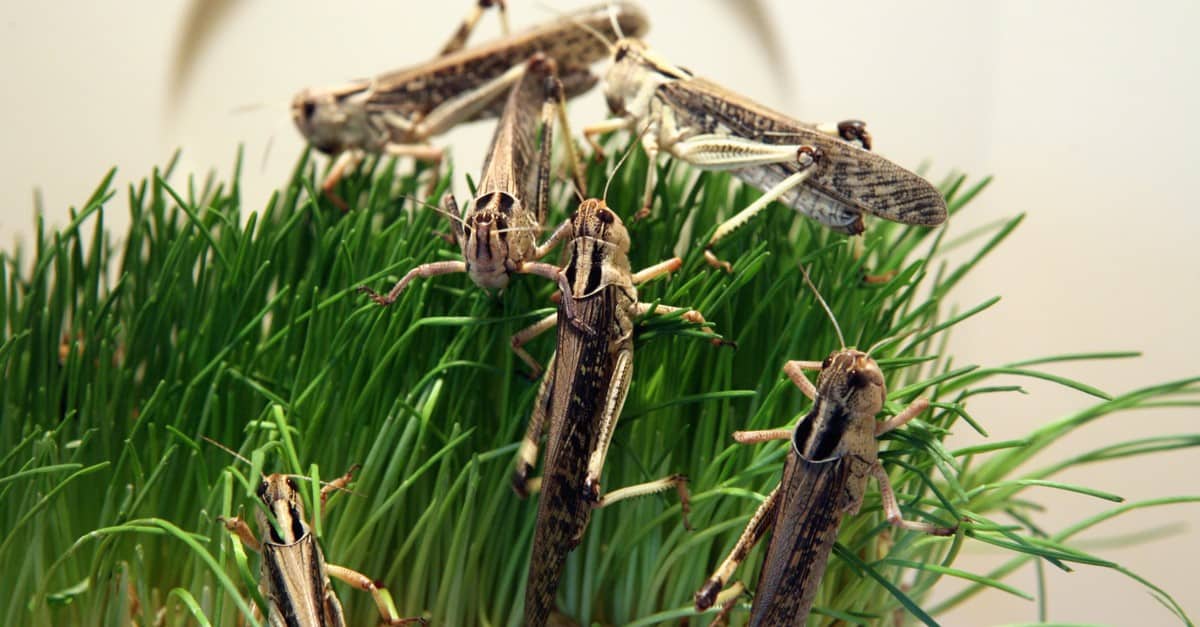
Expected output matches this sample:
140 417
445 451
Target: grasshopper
295 576
582 394
497 234
397 113
832 455
825 171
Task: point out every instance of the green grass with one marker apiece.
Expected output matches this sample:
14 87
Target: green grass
206 319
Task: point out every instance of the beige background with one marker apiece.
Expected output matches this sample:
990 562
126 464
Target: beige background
1084 111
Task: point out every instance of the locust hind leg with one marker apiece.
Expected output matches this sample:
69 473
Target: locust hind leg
762 520
679 482
522 484
383 598
464 30
806 158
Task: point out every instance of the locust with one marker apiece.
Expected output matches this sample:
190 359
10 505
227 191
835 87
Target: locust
398 112
582 394
825 171
833 452
498 232
294 574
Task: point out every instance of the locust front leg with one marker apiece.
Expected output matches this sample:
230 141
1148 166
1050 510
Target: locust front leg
383 598
762 520
449 208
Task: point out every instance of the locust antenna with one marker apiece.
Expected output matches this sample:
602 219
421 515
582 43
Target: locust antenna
438 209
894 338
825 305
612 18
612 47
226 449
621 161
327 484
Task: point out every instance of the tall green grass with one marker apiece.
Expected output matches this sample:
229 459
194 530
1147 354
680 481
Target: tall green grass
208 319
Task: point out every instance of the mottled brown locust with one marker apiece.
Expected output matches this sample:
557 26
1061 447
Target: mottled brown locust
397 113
832 454
825 171
582 394
498 232
294 577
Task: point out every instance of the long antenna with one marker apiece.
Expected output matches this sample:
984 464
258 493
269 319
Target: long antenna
621 161
612 17
838 328
894 338
584 26
226 449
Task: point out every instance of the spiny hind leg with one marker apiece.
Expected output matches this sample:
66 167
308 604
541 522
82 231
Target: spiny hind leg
762 520
527 454
727 600
464 30
806 159
679 482
618 387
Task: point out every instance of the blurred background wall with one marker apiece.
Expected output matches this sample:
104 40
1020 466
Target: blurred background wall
1084 111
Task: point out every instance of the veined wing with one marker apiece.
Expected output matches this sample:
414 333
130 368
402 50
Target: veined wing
847 176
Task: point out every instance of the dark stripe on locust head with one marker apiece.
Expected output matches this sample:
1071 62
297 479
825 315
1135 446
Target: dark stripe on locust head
596 271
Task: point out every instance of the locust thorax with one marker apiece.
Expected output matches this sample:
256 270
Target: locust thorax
333 120
634 75
599 249
488 239
281 497
852 379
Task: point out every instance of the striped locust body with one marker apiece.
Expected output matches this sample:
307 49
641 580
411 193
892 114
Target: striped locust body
833 453
397 113
825 171
294 576
498 231
582 395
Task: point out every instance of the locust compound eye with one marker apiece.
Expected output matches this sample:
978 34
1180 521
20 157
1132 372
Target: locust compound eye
292 484
309 108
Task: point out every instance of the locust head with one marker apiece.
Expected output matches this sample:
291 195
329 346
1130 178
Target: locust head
281 497
333 120
635 73
852 379
486 239
599 250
